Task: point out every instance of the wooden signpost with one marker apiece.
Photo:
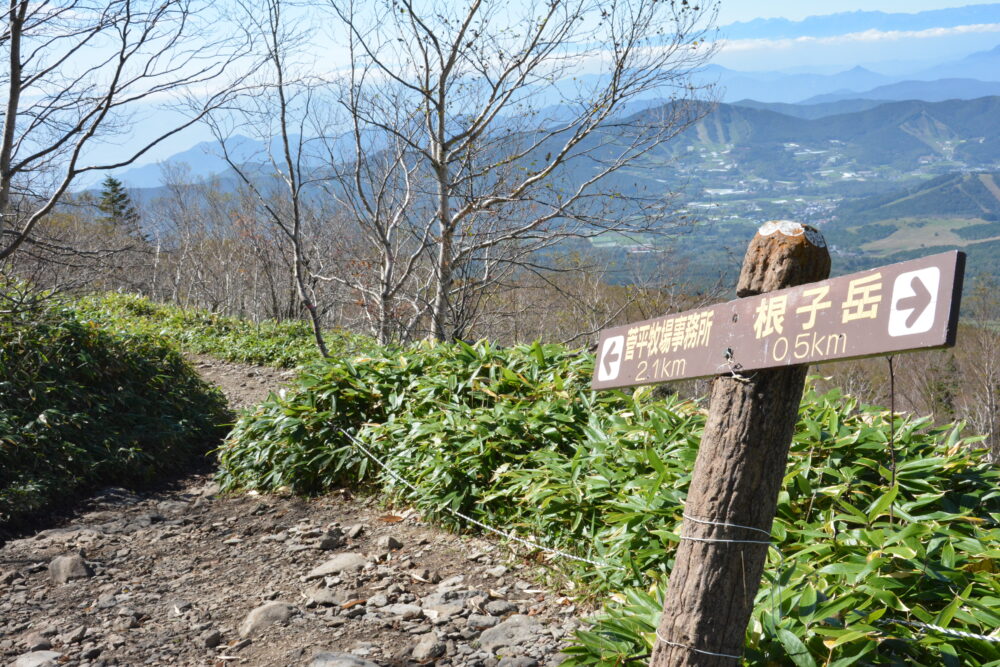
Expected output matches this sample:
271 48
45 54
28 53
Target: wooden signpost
759 347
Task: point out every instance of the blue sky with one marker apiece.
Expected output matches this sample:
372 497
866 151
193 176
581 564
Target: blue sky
747 10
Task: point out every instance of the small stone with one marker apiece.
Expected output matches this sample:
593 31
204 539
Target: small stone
75 635
497 571
339 660
210 639
515 631
424 574
178 607
406 611
328 597
239 646
389 542
428 648
64 569
36 641
355 531
451 583
343 562
265 616
517 662
8 576
333 539
378 600
481 622
443 611
37 659
499 607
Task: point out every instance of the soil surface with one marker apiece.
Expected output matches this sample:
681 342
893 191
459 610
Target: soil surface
186 576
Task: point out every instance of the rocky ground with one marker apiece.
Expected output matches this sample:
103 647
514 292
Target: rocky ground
184 576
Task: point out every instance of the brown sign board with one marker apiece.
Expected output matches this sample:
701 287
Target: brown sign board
907 306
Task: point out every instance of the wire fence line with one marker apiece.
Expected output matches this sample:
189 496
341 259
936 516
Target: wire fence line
496 531
925 627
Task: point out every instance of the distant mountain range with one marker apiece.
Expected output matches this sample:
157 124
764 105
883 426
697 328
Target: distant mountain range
928 91
898 135
861 21
975 194
849 135
974 76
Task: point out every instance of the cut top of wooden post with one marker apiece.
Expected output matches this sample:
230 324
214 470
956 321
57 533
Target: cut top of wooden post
783 254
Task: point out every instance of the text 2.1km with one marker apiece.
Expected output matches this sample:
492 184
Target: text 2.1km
907 306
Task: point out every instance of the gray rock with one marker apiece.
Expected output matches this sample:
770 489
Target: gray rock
339 660
178 607
443 612
451 597
333 539
343 562
37 659
516 630
36 641
328 597
480 622
63 569
239 646
499 607
75 635
265 616
210 638
90 653
355 531
517 662
389 542
451 583
405 611
378 600
497 571
428 647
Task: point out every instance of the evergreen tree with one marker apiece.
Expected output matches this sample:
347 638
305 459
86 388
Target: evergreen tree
118 211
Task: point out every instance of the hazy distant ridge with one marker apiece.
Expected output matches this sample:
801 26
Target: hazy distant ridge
861 21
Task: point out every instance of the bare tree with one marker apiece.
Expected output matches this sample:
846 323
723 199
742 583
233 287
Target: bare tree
75 74
503 142
381 247
276 113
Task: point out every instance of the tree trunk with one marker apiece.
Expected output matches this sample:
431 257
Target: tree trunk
738 473
443 269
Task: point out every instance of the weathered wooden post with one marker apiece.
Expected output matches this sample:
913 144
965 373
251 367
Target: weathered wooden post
737 476
758 348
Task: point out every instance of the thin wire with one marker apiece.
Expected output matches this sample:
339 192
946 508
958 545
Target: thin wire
563 554
696 650
775 604
727 525
509 536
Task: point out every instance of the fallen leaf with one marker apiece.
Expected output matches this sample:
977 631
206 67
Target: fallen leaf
353 603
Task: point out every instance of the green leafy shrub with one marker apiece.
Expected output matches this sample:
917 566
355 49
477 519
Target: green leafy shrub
283 344
861 557
81 407
514 438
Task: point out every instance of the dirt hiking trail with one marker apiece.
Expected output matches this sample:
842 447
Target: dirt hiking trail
185 576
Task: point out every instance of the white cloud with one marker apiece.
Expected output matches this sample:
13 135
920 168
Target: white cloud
868 37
